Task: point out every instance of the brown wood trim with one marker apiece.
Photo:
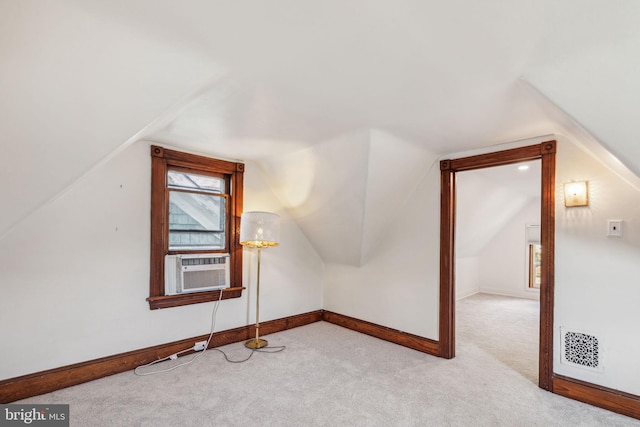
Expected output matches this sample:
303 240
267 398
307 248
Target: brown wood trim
404 339
161 160
447 325
546 152
237 206
54 379
158 209
547 268
282 324
602 397
166 301
194 161
499 158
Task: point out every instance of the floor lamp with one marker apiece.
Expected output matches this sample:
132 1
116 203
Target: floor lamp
259 230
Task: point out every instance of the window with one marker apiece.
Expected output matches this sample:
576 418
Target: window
196 203
197 211
535 262
534 250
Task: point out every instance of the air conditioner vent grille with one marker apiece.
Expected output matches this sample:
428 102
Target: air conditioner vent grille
204 279
204 261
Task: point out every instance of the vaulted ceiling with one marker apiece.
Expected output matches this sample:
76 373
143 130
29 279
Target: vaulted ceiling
364 94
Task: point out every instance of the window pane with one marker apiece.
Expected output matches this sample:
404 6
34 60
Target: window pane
193 181
537 261
196 221
535 265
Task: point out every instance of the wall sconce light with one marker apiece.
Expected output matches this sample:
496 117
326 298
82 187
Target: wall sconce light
576 194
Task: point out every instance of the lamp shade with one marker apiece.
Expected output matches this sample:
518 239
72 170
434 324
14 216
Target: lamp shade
259 229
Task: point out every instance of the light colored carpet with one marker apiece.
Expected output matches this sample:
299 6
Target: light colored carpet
506 328
331 376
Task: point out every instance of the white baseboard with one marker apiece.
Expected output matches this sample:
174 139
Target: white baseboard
534 295
466 295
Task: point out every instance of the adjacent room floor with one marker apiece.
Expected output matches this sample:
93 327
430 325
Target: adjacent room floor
505 327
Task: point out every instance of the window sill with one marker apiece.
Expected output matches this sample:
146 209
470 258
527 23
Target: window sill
167 301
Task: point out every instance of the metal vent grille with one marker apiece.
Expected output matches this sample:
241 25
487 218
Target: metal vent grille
204 261
201 279
581 349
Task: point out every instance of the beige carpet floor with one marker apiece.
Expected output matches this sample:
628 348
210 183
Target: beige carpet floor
504 327
331 376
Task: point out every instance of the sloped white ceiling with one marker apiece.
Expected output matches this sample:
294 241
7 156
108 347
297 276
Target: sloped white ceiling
75 87
345 192
600 88
488 199
260 81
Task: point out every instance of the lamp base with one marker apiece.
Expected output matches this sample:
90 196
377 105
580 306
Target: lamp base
255 343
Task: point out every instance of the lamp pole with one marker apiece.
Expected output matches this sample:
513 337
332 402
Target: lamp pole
257 342
258 302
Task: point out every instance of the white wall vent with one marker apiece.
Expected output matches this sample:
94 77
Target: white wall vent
581 350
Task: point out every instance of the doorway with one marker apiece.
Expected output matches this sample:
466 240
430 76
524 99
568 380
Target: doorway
497 264
448 169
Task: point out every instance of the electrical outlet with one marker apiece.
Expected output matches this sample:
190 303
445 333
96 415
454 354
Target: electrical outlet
200 345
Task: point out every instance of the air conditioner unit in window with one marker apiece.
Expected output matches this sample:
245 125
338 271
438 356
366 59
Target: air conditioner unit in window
195 273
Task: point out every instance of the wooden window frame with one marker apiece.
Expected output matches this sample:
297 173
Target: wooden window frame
161 161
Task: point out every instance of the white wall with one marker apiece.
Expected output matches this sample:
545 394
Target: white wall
596 290
467 276
75 274
291 273
344 192
484 204
503 262
398 285
493 205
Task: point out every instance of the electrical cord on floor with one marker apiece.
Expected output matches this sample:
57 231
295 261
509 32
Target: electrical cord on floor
276 349
174 356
